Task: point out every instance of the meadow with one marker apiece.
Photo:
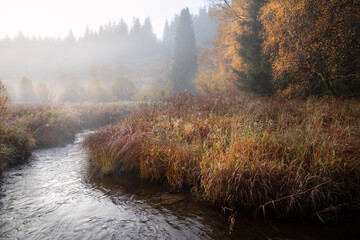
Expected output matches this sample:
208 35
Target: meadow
258 155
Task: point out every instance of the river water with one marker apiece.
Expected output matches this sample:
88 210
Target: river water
57 195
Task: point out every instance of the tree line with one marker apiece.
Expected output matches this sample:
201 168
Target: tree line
115 51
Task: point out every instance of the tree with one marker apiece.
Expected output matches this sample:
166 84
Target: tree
26 93
122 32
214 74
167 38
123 89
3 99
148 38
257 77
314 45
42 93
184 66
239 46
72 92
135 35
205 27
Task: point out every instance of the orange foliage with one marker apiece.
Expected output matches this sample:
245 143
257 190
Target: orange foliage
216 66
315 42
3 99
288 158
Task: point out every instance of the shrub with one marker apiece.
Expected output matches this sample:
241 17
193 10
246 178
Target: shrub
15 144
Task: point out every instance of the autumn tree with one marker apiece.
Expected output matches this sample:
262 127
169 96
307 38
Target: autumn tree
314 45
239 44
72 92
43 93
3 99
215 73
122 89
26 90
184 66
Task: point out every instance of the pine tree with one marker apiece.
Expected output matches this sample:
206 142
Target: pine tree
135 37
185 58
167 38
205 27
257 77
148 38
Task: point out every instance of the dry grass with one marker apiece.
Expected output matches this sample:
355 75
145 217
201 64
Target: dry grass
260 155
30 125
54 125
15 144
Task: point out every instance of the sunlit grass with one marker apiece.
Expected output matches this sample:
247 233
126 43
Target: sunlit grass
260 155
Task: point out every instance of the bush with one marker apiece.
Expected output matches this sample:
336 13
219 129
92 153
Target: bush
15 144
52 127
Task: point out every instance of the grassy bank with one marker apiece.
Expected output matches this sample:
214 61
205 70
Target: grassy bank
15 144
258 155
41 126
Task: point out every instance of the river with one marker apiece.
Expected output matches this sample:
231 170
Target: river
56 194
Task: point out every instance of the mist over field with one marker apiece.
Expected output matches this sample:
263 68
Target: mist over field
118 61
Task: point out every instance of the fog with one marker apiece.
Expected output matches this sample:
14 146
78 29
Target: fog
116 62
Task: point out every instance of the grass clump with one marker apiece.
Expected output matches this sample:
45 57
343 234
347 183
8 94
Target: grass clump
35 125
260 155
49 125
15 144
55 125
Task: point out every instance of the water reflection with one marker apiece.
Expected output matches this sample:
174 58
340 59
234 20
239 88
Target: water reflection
56 194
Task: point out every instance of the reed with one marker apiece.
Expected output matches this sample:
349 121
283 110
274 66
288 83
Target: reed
35 125
261 155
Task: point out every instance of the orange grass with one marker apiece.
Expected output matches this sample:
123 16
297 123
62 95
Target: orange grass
257 154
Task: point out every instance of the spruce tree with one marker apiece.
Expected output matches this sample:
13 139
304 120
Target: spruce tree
257 78
167 38
184 66
148 38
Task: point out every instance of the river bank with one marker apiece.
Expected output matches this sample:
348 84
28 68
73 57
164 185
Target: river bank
262 156
30 126
57 194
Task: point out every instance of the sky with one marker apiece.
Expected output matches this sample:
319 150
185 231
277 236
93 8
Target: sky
54 18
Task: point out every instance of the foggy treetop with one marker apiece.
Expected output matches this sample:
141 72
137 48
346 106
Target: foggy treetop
114 50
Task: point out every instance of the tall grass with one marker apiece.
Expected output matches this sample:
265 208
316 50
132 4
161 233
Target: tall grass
259 155
15 144
28 126
54 125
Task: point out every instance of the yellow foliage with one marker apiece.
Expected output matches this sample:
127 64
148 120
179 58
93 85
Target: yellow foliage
3 99
313 40
213 81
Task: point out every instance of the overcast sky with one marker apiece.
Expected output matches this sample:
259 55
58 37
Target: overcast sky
57 17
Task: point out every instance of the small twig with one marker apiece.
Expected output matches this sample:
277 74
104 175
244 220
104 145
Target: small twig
289 196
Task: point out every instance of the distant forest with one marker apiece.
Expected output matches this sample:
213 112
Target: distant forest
114 51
